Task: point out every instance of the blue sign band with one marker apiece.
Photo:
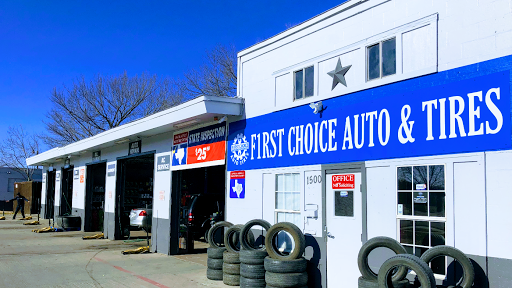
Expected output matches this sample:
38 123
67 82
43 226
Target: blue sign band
442 117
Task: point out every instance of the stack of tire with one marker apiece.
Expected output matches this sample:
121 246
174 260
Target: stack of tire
231 257
216 252
393 271
282 270
252 268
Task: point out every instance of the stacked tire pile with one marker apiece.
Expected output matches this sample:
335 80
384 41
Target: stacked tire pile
393 271
231 257
285 270
216 252
252 269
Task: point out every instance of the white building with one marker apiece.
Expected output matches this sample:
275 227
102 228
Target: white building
411 140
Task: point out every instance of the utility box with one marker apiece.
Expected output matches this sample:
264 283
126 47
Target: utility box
32 191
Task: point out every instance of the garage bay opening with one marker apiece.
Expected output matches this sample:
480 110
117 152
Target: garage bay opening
134 200
50 195
95 197
66 197
198 199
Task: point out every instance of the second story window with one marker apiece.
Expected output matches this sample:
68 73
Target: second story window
381 59
304 83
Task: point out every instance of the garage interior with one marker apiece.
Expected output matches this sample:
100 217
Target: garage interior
95 197
197 194
134 191
66 196
50 194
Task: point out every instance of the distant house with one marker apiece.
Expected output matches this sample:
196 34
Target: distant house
9 176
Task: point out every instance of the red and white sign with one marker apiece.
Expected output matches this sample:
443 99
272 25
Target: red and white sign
206 152
345 181
237 174
180 138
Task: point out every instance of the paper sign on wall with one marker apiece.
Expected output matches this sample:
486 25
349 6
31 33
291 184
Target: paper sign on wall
82 175
345 181
237 184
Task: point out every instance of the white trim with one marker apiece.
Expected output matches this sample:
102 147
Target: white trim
161 122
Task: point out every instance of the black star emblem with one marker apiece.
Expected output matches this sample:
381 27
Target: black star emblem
338 74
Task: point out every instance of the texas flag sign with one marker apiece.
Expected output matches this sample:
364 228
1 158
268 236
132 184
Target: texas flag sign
237 184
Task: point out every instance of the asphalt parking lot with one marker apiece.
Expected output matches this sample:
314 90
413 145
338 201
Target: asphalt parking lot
63 259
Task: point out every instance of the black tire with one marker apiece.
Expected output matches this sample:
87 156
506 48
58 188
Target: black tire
252 283
252 271
231 280
215 264
213 274
215 253
246 229
423 272
232 238
282 266
231 258
215 227
364 283
468 275
231 269
297 236
285 280
362 258
253 257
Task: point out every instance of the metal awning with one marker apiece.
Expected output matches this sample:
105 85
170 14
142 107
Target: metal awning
196 111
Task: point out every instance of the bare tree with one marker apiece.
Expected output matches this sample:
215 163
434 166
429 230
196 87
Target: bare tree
216 77
16 148
87 108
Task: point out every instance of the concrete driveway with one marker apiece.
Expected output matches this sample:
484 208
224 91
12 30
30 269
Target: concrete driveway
63 259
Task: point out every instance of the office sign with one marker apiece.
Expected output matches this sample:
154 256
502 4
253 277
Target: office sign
198 146
134 147
464 116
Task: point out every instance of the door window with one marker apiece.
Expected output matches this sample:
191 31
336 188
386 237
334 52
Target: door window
421 210
344 203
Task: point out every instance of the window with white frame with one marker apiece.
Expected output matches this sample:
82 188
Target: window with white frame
381 59
421 210
303 80
288 198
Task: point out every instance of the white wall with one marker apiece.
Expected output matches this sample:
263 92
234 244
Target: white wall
465 198
435 35
259 202
499 202
43 189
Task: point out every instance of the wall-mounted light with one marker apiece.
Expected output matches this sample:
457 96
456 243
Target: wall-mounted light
122 141
186 123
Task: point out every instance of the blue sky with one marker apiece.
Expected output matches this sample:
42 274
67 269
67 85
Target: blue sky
47 44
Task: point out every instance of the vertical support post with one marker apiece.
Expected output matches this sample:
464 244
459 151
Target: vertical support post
147 221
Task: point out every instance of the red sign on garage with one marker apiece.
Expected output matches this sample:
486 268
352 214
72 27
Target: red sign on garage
345 181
